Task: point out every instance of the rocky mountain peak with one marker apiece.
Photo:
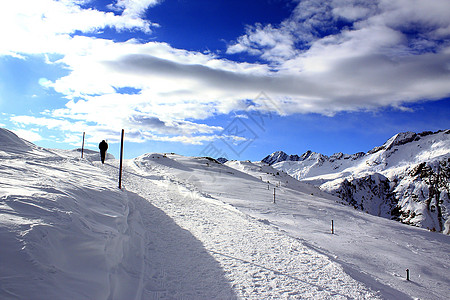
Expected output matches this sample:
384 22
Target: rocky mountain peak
279 156
275 157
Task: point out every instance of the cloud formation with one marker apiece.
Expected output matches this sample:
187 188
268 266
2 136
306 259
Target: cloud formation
133 8
327 57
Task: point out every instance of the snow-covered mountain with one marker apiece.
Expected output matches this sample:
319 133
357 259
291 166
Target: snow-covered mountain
407 178
280 156
193 228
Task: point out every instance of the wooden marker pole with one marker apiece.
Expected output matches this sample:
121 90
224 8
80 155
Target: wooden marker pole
82 146
332 226
273 195
121 158
407 274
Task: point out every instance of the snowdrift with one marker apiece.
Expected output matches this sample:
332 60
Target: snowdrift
66 231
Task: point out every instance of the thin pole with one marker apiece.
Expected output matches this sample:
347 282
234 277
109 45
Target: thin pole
332 226
273 195
121 157
407 274
82 146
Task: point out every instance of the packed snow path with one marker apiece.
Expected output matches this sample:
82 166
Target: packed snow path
256 261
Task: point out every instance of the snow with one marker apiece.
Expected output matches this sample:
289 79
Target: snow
395 160
386 159
192 228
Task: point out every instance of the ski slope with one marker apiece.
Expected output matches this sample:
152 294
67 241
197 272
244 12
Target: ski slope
186 227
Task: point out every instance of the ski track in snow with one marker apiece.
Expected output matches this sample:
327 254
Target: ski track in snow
255 261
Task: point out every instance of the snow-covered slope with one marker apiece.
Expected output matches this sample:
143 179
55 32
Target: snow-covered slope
275 178
373 250
12 146
66 231
192 228
407 178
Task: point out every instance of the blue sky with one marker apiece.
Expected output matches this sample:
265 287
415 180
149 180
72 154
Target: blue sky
239 79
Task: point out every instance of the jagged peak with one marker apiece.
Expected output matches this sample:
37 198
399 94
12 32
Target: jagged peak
306 155
400 139
396 140
279 156
279 153
275 157
222 160
403 138
312 155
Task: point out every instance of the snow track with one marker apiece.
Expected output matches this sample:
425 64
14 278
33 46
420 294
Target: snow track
224 253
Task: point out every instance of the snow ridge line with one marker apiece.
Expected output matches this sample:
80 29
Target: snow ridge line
125 253
135 227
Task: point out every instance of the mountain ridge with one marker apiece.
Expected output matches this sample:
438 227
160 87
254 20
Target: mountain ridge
408 176
396 140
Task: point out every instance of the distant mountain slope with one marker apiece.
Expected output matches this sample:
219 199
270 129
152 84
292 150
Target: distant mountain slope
407 178
280 156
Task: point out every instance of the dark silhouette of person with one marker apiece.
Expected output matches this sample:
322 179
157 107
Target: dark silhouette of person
103 146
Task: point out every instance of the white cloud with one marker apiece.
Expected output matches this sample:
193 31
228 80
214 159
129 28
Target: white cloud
314 65
134 8
273 44
29 135
44 82
50 123
373 62
44 26
317 21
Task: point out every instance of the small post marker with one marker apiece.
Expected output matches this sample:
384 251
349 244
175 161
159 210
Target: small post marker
407 274
82 146
332 226
121 157
273 195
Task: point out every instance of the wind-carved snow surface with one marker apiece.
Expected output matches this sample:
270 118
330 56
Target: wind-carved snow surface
407 178
66 231
192 228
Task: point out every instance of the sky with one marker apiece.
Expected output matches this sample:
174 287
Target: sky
237 79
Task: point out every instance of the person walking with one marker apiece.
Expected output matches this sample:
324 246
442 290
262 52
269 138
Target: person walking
103 146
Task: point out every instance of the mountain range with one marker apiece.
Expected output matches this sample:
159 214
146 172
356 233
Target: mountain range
405 179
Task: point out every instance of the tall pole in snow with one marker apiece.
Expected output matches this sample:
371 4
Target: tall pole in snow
273 195
121 157
82 146
332 226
